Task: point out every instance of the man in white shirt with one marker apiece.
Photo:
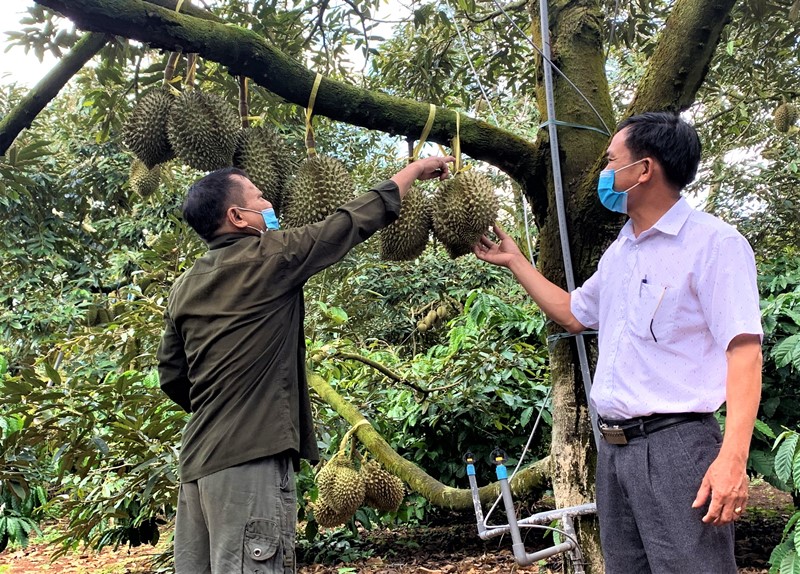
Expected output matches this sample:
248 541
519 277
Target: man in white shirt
675 303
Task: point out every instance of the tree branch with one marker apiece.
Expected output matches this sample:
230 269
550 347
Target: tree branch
684 51
527 480
246 53
391 374
36 99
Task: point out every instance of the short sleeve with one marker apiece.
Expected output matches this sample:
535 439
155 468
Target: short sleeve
728 291
585 302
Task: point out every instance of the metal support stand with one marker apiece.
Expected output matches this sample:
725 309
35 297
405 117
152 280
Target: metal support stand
565 516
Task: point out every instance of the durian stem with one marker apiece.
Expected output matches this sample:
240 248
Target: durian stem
169 69
244 102
191 69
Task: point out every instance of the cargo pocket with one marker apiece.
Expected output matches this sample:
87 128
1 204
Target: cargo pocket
262 540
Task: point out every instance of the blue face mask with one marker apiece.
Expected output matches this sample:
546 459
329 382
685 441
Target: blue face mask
270 219
613 200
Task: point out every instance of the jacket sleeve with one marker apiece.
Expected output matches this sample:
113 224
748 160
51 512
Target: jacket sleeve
173 368
310 249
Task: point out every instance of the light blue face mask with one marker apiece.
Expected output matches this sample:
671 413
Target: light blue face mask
270 219
613 200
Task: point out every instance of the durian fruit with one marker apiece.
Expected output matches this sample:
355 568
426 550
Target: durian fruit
326 516
341 486
463 209
320 185
203 130
261 152
143 180
407 237
382 490
785 116
145 131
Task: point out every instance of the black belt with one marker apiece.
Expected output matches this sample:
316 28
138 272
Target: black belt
621 431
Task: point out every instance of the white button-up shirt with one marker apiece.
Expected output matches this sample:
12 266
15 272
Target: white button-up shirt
666 305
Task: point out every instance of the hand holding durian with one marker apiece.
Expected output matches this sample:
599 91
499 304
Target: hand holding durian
422 169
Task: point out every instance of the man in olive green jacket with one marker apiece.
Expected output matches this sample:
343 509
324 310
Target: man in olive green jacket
233 355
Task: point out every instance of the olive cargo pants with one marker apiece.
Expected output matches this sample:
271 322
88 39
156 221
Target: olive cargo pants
241 519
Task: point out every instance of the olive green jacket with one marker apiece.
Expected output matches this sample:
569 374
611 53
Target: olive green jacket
233 348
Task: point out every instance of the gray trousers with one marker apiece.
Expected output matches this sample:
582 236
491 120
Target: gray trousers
645 491
238 520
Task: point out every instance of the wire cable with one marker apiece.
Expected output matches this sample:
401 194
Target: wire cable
556 68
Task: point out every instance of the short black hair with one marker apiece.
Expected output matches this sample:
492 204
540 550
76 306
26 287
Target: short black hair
209 198
669 139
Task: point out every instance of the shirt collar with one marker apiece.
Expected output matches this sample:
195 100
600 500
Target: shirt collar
670 223
226 239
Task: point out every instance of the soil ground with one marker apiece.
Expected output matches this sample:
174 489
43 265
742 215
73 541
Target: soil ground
451 547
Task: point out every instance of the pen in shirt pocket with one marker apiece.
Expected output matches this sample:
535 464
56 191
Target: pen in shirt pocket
644 282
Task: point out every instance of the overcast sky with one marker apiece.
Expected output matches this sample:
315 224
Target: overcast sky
15 65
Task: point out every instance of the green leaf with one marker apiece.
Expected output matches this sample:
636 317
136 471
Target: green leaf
765 429
784 458
790 564
787 352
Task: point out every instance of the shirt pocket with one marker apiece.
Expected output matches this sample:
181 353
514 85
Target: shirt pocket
653 313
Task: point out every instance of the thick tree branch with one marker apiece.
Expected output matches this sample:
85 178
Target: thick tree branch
34 102
527 480
684 51
247 54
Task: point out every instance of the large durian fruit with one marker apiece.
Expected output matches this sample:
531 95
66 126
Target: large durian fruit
261 152
341 486
785 116
407 237
320 185
203 130
143 180
463 209
145 130
382 490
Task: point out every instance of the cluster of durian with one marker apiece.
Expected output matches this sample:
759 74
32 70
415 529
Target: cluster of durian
407 237
463 209
784 117
319 187
432 318
343 490
101 315
199 128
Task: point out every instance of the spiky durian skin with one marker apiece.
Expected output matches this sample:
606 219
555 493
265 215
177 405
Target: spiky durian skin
326 516
341 486
261 152
145 130
784 117
463 209
142 180
382 490
203 130
320 185
407 237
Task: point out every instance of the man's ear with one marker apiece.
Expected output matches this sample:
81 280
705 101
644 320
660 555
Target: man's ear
235 218
647 173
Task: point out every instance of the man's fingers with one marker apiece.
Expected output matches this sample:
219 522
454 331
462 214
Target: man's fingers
702 494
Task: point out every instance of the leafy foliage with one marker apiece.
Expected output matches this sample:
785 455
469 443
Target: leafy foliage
785 558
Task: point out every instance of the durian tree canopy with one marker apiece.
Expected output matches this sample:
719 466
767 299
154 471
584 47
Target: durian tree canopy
245 53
